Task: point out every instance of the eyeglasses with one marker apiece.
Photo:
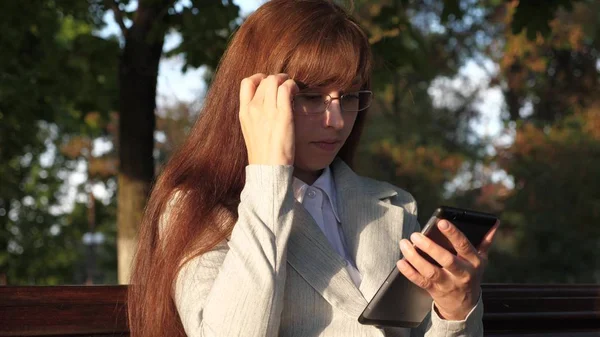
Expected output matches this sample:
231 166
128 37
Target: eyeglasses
317 103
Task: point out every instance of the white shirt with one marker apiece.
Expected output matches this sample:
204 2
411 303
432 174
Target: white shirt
320 201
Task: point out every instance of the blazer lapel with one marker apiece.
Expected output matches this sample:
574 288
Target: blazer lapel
372 229
311 255
371 224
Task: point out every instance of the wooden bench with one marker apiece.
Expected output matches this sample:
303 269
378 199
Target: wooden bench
510 310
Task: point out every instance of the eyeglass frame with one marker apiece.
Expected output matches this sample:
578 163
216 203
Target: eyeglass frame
331 99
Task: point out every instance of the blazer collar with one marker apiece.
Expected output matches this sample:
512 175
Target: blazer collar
372 228
325 183
346 179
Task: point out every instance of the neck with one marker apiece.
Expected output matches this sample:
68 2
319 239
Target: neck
308 177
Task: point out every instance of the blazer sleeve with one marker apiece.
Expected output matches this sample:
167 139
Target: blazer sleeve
236 289
471 326
434 325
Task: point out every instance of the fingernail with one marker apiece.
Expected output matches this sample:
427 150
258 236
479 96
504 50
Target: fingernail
443 225
403 245
416 237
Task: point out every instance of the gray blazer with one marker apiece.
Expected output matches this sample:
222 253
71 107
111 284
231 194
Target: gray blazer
277 275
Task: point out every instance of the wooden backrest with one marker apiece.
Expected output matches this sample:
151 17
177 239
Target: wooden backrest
510 310
547 310
63 311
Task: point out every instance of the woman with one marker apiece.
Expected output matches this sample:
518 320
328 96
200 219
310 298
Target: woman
259 227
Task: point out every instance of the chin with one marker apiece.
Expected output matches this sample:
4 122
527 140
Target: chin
315 163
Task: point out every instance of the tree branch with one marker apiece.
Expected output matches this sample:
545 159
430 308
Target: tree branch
114 5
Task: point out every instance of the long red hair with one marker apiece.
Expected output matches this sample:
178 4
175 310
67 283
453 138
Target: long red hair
314 41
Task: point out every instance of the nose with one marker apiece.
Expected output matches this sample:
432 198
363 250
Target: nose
333 115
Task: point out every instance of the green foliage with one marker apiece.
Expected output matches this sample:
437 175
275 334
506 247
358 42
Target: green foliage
59 91
409 141
205 28
556 74
422 147
29 227
535 16
58 87
551 88
53 71
551 216
451 7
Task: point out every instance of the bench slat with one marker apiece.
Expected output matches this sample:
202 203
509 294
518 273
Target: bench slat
510 310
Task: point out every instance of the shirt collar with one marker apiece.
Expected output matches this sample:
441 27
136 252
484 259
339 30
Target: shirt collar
325 183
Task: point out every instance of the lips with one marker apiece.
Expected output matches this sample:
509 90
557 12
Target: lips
328 141
327 144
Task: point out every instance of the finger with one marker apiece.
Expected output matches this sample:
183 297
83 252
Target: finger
248 88
285 93
272 84
423 267
412 275
485 245
442 256
259 96
459 241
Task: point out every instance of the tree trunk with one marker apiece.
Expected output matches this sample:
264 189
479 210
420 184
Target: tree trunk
138 71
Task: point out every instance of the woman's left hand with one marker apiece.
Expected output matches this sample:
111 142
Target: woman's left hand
455 288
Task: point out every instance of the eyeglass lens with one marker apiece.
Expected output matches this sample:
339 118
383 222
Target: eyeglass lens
313 103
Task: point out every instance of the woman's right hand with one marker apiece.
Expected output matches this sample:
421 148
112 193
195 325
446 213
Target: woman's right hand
266 118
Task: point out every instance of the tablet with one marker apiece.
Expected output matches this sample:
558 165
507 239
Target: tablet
401 303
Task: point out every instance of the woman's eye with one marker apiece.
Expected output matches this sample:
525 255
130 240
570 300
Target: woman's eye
351 96
313 98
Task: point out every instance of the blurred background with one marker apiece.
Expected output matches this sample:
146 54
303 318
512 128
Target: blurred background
486 104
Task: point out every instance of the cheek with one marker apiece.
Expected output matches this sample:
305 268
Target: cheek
301 128
349 122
